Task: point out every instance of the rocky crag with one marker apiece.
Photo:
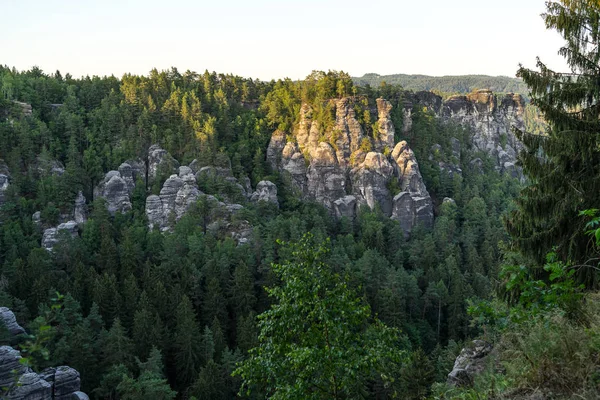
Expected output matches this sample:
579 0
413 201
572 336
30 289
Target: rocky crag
343 168
491 118
19 382
178 194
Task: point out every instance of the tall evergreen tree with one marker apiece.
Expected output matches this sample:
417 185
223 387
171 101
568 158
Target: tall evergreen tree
563 166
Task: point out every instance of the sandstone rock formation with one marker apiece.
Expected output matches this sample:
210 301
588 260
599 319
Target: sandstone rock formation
335 168
412 206
265 191
19 382
159 158
177 195
52 235
470 362
491 119
9 321
80 212
114 188
4 182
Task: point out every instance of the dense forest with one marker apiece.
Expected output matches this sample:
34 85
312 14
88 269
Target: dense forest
193 295
311 306
446 84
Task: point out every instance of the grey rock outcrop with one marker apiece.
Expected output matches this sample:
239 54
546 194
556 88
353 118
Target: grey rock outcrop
386 130
52 235
491 118
275 149
126 172
413 205
64 380
159 158
470 362
10 366
36 218
115 189
19 382
8 319
80 212
265 191
345 207
4 182
369 182
330 167
30 386
177 195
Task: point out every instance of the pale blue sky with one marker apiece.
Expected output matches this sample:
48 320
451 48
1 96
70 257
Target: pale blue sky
274 39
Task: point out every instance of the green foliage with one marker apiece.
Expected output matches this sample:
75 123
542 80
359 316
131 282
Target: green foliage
193 293
36 353
317 340
445 84
562 165
150 383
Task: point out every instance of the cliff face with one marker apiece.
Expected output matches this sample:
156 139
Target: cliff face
342 168
491 118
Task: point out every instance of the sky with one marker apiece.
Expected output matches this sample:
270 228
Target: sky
271 39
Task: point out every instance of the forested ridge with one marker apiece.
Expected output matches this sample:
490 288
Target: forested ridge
446 84
194 295
308 305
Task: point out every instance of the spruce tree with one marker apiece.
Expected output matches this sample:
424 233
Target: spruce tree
563 166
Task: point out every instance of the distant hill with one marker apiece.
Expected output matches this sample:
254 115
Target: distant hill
446 84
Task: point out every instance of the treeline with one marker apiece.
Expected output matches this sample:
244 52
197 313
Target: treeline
446 84
187 300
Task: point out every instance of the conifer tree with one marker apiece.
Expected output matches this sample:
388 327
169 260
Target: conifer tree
185 343
563 166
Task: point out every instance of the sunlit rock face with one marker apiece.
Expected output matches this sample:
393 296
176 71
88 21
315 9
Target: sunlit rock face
334 167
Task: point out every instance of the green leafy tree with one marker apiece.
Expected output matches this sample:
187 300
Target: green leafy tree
318 340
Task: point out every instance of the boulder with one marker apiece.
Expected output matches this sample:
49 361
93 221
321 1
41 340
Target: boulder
183 171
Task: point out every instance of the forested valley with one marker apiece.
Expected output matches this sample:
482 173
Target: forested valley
224 266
